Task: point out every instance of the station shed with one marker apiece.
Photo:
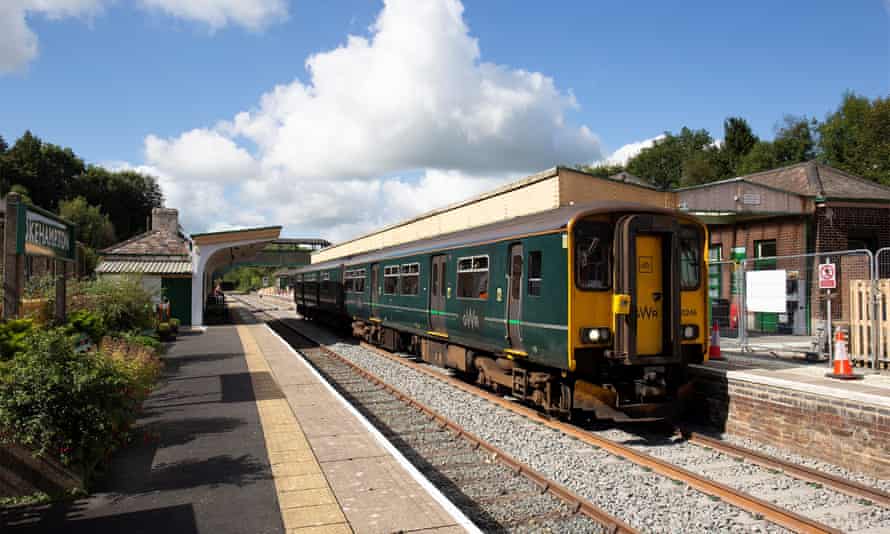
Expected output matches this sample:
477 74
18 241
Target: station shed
161 257
799 209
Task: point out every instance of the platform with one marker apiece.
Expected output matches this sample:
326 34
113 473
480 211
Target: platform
332 473
794 406
242 436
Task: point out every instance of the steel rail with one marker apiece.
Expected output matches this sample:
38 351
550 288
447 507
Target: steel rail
771 512
577 504
849 487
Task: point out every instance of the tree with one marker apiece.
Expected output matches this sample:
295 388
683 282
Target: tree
856 137
127 197
603 170
662 163
795 141
23 193
762 157
94 228
3 146
738 139
45 169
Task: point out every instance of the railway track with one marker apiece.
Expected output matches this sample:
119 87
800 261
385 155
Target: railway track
497 492
695 475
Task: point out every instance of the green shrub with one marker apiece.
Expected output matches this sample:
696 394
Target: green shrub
143 340
87 322
56 402
174 324
13 335
122 303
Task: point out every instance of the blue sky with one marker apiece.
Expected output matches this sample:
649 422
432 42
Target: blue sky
107 77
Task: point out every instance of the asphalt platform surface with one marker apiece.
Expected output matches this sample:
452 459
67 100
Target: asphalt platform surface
198 463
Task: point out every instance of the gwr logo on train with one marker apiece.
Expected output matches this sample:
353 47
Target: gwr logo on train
647 312
646 264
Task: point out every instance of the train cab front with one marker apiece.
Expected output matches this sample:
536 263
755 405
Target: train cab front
640 311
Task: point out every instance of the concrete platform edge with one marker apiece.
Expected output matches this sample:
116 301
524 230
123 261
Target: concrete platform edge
814 389
460 519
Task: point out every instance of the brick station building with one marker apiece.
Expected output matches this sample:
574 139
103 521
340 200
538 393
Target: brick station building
799 209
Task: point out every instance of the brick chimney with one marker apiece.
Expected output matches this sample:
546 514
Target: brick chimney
166 219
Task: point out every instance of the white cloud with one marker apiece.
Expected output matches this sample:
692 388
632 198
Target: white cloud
217 14
628 151
200 154
19 43
413 99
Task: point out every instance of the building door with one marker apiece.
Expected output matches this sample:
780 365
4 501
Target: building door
650 295
179 292
514 297
374 294
437 293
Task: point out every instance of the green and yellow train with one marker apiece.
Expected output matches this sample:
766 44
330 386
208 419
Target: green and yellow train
596 308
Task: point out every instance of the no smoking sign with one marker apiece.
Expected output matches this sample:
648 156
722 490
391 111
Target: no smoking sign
827 276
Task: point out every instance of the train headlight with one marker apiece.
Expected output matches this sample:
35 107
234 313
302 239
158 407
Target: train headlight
690 331
595 335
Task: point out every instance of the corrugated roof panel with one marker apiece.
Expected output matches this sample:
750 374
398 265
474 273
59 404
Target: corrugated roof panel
145 267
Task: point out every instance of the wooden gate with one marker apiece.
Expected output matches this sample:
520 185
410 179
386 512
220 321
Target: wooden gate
862 326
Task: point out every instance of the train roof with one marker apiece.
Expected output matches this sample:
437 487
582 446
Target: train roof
544 221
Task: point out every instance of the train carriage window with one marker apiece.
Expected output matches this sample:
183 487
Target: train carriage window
534 273
391 280
354 280
410 273
472 277
690 257
593 255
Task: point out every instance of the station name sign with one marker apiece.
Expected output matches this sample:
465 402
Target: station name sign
41 233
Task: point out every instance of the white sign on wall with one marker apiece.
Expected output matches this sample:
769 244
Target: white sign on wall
765 291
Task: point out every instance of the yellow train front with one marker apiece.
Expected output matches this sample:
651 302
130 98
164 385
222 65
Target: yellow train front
594 308
639 318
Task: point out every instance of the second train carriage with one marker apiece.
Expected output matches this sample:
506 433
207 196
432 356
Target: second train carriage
597 307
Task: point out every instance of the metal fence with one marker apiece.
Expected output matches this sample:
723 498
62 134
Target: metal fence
775 304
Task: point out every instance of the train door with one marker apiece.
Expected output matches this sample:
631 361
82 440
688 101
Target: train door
514 297
374 291
648 272
650 293
437 293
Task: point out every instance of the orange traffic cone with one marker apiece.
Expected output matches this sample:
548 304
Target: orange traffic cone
842 367
714 349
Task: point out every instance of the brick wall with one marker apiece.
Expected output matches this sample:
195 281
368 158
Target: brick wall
855 436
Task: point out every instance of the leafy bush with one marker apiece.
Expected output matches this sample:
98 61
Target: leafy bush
143 340
122 303
60 403
77 407
174 324
13 335
87 322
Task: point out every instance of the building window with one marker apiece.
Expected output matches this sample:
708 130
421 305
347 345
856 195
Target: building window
391 280
472 277
690 257
410 278
534 273
765 249
593 252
